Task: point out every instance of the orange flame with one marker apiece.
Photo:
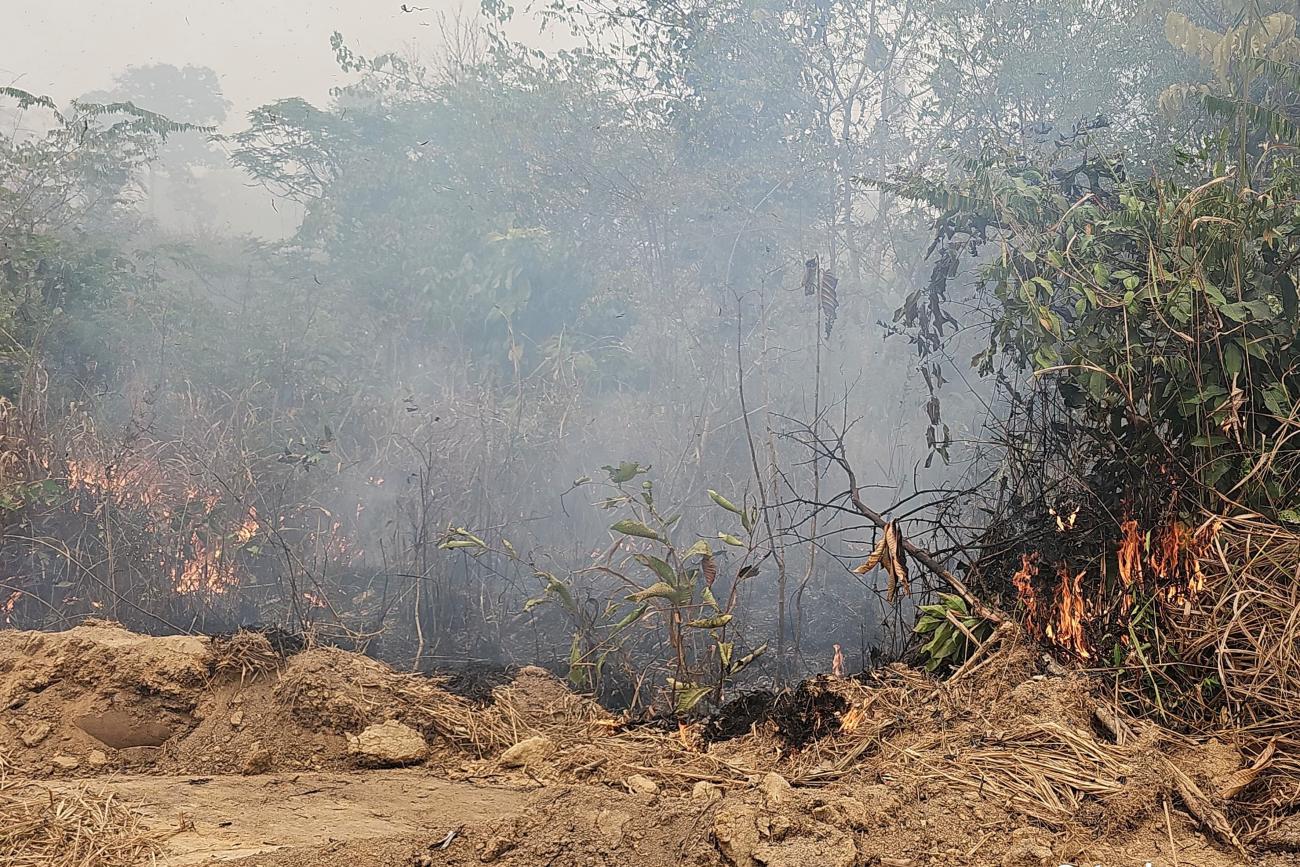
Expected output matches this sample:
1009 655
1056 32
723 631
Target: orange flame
207 571
1176 559
1023 580
853 720
248 529
9 603
1067 630
837 663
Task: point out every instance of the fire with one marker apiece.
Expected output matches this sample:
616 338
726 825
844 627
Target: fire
207 571
853 720
1176 561
1023 580
837 663
248 529
9 603
1067 630
138 482
131 482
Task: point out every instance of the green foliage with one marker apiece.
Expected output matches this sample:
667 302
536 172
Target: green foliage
676 594
950 642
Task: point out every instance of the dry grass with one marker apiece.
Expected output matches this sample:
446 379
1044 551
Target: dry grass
249 653
1248 622
78 828
330 688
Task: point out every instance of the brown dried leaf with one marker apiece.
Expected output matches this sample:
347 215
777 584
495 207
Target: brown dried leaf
873 560
895 560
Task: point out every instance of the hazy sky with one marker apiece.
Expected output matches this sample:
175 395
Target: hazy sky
262 49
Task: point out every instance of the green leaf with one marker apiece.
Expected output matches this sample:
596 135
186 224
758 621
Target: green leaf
629 527
624 472
665 572
1233 359
724 502
660 590
632 617
716 622
927 624
706 595
725 649
687 695
700 549
731 540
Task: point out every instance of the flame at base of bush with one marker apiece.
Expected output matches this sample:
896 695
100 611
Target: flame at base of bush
1069 610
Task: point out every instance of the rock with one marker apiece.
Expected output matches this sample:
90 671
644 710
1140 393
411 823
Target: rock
640 784
97 759
237 719
258 760
735 827
387 745
495 847
775 790
528 752
611 824
1029 854
750 836
875 807
35 733
65 763
706 791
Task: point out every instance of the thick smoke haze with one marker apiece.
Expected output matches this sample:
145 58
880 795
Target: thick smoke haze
557 336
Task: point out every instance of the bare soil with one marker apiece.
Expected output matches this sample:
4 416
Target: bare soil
236 754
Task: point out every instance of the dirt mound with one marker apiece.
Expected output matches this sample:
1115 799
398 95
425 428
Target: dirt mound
98 697
95 696
1012 762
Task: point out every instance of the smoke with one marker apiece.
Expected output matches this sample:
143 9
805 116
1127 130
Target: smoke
417 290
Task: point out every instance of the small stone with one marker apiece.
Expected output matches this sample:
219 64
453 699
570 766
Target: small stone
237 719
388 744
66 763
775 789
258 760
97 759
610 823
527 752
706 791
35 733
495 847
640 784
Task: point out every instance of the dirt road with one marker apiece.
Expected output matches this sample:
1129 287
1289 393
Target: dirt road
226 818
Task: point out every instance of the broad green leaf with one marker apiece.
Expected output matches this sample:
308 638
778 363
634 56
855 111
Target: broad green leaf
632 617
629 527
660 590
624 472
725 649
724 502
700 548
665 572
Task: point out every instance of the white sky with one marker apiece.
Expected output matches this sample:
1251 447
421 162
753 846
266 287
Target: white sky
261 49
